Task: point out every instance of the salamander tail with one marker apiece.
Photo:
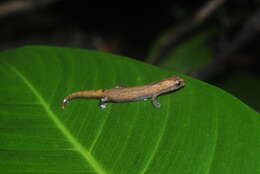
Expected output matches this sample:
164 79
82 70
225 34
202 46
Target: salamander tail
83 94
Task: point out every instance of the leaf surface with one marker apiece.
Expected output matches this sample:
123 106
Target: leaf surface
198 129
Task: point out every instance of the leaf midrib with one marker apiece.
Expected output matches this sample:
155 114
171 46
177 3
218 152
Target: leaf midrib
79 147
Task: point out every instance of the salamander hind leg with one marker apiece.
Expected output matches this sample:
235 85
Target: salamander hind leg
155 102
103 102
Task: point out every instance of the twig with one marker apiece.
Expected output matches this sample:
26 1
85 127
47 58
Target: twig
250 29
206 10
16 6
185 30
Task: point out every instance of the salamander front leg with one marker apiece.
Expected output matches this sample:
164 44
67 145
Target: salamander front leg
103 102
155 102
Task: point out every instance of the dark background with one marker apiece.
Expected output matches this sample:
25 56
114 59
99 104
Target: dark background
151 34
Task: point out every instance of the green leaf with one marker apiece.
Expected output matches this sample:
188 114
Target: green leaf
189 55
198 129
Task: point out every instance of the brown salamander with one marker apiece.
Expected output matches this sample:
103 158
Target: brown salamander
132 93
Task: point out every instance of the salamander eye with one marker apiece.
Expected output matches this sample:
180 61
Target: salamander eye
178 83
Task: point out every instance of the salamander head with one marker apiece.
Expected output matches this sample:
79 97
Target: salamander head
174 82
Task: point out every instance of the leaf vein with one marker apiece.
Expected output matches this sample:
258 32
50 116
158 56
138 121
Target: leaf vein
143 171
215 139
102 126
79 147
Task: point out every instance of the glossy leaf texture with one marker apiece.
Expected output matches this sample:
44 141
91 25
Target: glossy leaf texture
198 129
